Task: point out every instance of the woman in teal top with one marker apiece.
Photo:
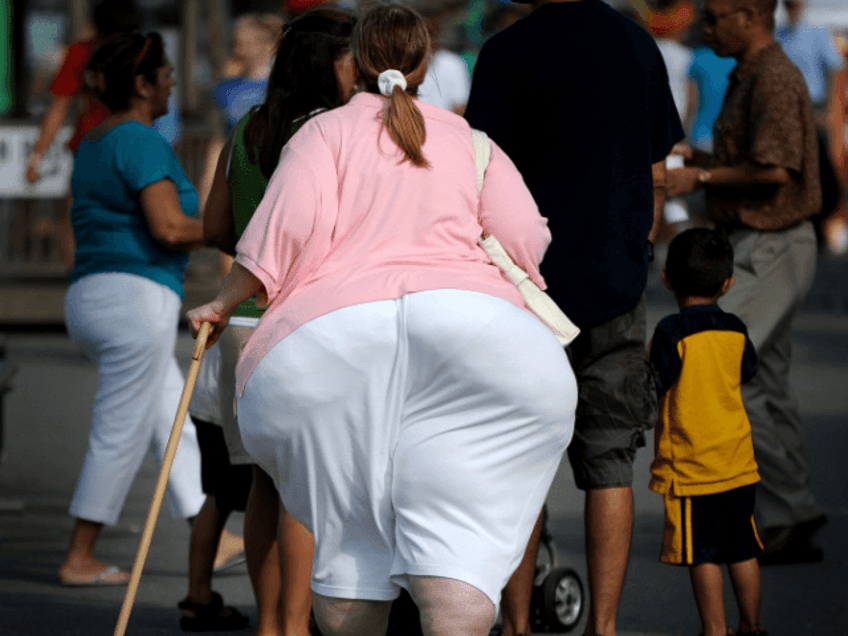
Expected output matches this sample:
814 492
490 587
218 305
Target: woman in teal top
111 228
313 71
133 225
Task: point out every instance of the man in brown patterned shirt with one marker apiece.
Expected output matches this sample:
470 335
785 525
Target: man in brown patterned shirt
762 186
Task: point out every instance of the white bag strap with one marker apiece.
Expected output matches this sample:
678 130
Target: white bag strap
482 155
537 300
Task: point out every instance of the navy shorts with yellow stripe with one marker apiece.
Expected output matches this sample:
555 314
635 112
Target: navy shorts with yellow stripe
718 528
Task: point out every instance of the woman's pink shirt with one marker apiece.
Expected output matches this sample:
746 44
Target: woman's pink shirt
344 221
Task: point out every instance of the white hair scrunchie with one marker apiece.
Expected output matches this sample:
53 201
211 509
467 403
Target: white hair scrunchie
387 80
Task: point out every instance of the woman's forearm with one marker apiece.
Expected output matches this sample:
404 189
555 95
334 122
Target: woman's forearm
240 286
186 235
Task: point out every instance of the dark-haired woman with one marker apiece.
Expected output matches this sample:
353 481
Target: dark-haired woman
132 219
312 72
409 408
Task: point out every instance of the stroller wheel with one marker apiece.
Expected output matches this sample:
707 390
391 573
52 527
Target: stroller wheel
562 600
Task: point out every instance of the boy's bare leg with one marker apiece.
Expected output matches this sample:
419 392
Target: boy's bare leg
747 588
708 586
515 605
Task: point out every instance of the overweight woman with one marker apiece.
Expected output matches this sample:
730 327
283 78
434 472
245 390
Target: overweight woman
410 409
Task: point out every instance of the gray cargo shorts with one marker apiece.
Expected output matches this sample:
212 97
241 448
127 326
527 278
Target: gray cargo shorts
616 403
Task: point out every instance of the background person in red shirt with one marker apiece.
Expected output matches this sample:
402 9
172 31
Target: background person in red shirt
109 17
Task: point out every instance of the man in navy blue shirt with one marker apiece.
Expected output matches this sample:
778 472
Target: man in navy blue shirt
578 97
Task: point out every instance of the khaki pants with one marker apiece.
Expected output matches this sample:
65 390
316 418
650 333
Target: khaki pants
231 342
774 272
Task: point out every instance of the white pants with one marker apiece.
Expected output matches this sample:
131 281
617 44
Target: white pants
232 343
128 326
413 437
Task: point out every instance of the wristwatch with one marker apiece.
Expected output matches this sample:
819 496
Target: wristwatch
704 177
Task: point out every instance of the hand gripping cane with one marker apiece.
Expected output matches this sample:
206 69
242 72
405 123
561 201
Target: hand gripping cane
162 482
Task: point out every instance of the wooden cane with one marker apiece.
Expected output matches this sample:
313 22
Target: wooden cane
162 482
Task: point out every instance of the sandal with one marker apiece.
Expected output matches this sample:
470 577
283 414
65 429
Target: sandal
109 575
211 617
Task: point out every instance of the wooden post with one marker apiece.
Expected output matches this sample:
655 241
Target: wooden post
218 50
79 14
189 18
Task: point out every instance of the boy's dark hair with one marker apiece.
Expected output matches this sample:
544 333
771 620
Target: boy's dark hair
699 261
119 60
115 16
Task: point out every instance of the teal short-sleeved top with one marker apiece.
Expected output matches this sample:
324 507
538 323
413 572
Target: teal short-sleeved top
111 231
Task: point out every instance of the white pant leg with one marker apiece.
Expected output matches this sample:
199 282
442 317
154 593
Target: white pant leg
184 492
451 408
127 325
488 414
319 415
232 343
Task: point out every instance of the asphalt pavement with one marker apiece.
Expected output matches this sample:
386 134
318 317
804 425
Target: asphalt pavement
46 418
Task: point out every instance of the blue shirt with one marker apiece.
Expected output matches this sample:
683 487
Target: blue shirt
110 228
712 75
237 96
813 51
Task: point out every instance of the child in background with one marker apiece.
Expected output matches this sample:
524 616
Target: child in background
226 486
704 456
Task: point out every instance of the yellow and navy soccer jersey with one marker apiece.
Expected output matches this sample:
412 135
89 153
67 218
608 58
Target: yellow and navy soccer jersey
702 443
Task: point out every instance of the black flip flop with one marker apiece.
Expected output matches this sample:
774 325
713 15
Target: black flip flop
211 617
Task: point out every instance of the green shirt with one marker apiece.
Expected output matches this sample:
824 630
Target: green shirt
247 185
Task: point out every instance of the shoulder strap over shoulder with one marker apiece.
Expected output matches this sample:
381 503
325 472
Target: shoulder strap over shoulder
482 155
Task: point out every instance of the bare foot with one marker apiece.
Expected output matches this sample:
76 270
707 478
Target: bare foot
230 548
92 573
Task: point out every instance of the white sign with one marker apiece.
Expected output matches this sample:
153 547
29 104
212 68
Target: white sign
16 144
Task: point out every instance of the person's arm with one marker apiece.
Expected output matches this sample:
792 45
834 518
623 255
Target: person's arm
659 177
67 83
210 163
693 103
160 202
240 286
219 227
833 61
836 124
737 177
665 359
749 360
53 120
508 211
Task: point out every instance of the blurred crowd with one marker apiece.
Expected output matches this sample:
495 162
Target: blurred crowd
701 142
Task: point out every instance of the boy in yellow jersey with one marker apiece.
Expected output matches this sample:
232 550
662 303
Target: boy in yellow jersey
704 456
